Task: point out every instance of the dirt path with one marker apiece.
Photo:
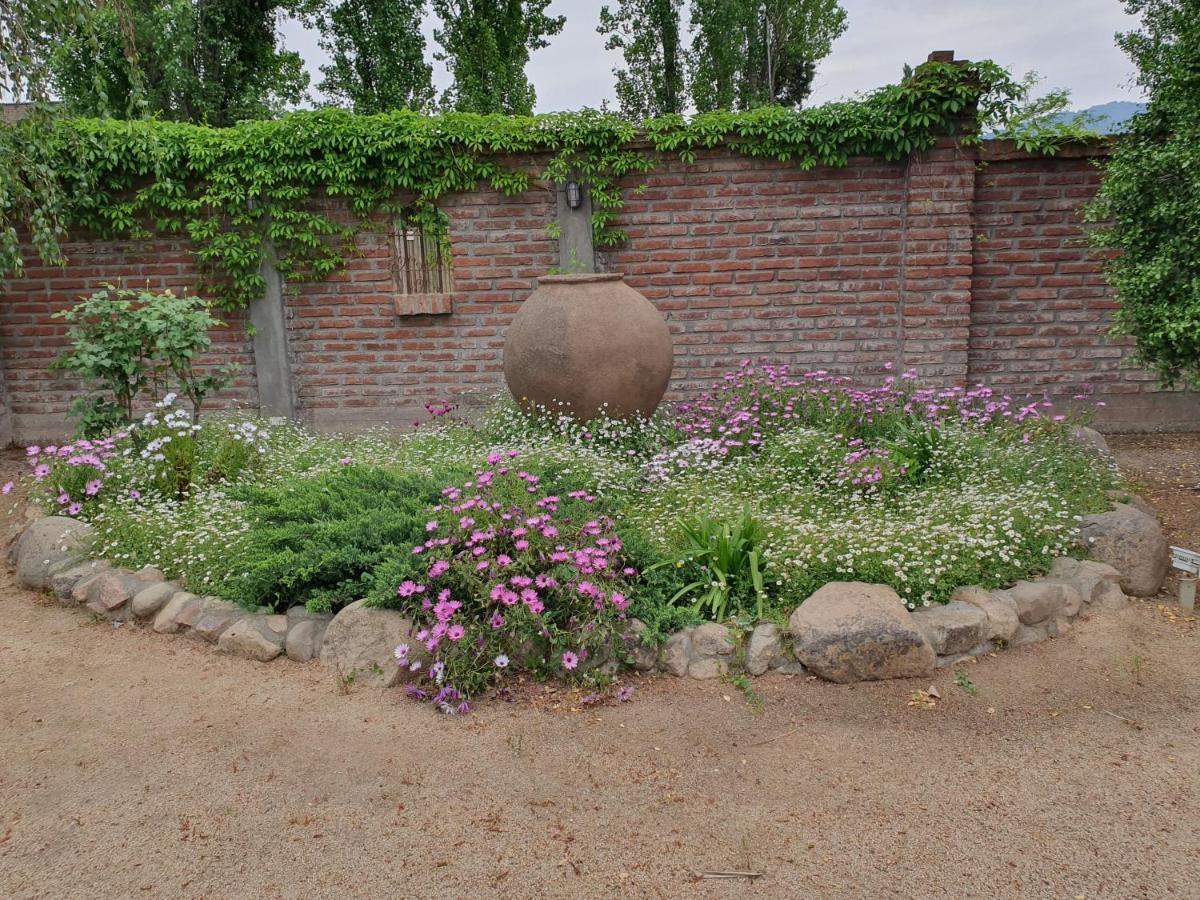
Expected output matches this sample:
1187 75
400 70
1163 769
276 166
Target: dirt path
136 765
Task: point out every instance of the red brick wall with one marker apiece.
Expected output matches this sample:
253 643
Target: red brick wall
1041 310
31 339
356 361
966 273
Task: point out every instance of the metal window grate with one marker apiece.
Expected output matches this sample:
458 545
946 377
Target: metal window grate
421 263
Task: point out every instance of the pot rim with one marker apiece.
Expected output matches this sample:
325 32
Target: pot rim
581 278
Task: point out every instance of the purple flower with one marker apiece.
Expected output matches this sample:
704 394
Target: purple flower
402 654
135 495
7 489
625 694
501 661
40 471
441 567
408 587
345 461
569 660
74 509
92 488
456 632
497 620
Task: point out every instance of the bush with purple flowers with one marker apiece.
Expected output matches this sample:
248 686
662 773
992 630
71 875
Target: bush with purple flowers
512 571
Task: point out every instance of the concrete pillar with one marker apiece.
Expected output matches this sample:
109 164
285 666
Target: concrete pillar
575 250
268 316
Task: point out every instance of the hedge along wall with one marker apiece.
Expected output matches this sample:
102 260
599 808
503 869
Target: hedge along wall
963 271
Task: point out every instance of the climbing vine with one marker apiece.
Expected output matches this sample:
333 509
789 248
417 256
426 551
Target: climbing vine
229 189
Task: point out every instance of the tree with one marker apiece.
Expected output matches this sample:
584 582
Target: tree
1148 207
378 55
486 45
748 53
647 34
212 61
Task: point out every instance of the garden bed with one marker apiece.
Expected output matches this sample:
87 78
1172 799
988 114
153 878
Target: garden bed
785 520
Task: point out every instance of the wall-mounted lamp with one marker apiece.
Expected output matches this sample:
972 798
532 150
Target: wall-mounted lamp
574 194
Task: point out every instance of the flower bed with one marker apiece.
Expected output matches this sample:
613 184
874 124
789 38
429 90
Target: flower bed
569 550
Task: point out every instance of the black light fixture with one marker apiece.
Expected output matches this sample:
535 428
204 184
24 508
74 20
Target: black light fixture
574 194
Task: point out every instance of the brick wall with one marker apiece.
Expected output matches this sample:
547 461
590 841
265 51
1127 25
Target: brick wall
1041 309
31 339
963 271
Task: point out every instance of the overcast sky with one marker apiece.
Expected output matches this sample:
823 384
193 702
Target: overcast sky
1069 42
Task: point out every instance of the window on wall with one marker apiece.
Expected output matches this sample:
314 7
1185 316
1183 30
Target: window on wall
421 269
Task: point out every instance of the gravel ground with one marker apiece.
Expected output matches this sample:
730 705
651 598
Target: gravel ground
137 765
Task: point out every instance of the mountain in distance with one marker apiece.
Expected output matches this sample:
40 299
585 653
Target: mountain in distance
1106 118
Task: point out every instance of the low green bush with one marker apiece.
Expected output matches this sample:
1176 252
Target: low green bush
319 540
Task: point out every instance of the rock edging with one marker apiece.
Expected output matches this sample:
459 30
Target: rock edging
844 632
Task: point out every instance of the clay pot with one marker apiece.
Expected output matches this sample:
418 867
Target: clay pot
586 344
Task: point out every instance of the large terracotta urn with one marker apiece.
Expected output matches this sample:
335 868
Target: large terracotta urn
585 345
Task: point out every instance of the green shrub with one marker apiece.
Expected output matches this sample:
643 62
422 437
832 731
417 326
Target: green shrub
320 540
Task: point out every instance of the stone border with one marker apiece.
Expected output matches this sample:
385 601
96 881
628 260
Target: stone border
844 632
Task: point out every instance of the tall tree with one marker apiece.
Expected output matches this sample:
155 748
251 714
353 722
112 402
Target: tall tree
1149 201
377 55
486 45
748 53
647 33
213 61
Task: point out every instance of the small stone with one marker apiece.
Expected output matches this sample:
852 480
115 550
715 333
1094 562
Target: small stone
764 649
150 599
180 603
954 627
711 640
708 667
216 616
303 642
277 623
676 653
642 655
1031 634
108 592
1037 601
1000 610
298 613
251 637
63 583
149 573
852 631
1099 583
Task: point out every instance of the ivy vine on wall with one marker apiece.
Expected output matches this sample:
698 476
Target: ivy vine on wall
229 189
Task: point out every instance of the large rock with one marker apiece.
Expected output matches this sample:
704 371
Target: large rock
1099 583
952 628
764 650
251 637
1131 542
46 545
851 631
361 641
1092 438
1003 625
708 667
